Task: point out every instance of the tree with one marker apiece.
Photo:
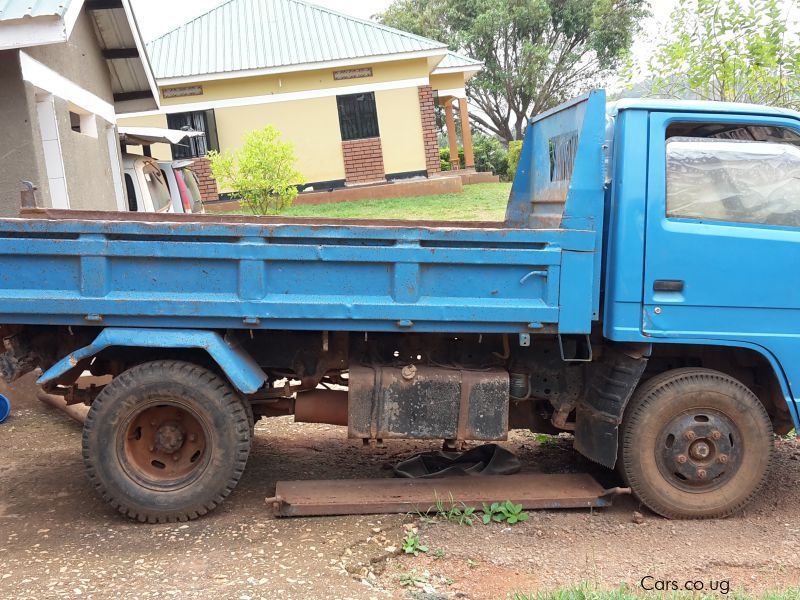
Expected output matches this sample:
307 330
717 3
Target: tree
537 53
262 171
731 51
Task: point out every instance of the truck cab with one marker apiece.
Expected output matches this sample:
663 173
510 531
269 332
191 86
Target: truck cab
703 237
146 187
184 187
640 294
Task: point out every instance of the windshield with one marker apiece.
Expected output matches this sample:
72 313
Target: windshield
159 192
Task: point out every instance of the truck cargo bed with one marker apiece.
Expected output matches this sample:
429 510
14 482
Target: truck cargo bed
227 271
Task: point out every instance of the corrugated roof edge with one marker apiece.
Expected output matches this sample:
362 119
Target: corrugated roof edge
305 66
454 62
12 10
38 27
144 57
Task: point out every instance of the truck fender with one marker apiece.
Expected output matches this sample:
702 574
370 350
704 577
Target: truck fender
240 368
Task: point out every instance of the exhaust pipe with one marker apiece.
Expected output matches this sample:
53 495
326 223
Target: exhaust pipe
74 411
321 406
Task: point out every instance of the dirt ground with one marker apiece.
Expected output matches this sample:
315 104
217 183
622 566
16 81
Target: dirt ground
58 539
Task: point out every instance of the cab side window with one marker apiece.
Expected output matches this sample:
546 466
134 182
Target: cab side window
130 190
735 173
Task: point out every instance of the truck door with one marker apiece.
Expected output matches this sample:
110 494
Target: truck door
722 248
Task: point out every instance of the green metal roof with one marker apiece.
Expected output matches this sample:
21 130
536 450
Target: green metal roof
242 35
20 9
456 62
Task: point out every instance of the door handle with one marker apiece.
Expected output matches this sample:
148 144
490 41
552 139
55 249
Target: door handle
668 285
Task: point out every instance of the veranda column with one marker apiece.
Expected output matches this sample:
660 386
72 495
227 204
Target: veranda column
466 134
451 133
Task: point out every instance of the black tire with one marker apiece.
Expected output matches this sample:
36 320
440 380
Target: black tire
695 444
251 419
186 421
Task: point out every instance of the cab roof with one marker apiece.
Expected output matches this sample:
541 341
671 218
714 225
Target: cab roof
660 104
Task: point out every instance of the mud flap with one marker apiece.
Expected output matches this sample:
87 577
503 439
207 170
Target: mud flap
599 413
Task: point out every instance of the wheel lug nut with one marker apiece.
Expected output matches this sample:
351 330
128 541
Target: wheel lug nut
152 448
690 435
192 437
175 457
701 473
722 458
681 459
715 435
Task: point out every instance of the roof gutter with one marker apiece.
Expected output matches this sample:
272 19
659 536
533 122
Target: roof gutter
347 62
474 68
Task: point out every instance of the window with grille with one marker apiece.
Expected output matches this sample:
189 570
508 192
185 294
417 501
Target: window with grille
358 118
195 147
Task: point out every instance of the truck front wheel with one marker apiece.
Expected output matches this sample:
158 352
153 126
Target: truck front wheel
166 441
696 443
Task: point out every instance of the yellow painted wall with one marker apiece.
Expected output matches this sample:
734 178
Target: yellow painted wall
447 81
159 151
311 125
299 82
400 125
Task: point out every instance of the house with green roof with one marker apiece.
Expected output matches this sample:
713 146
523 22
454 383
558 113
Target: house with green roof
356 98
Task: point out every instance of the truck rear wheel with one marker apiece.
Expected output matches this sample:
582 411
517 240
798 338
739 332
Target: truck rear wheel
696 443
166 441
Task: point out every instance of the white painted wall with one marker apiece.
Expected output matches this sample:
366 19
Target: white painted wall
53 159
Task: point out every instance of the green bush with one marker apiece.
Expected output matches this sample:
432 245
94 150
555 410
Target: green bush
489 154
444 158
262 171
514 150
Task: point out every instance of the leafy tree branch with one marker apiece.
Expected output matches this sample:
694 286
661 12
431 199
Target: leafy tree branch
537 53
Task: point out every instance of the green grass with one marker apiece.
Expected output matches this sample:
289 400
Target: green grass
587 592
479 202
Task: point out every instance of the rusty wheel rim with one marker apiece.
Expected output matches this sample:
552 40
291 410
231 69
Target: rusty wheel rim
165 446
699 450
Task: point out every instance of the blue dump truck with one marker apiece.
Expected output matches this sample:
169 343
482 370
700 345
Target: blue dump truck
642 294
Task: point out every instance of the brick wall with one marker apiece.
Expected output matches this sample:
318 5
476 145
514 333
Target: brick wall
363 160
208 185
430 132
